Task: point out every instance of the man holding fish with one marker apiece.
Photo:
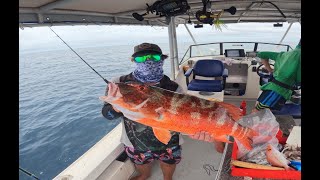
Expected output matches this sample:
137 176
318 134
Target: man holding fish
155 111
141 145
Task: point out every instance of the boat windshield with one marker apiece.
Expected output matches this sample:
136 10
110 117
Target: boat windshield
218 48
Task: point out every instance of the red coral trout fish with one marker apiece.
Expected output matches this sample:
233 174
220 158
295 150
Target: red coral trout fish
166 111
276 158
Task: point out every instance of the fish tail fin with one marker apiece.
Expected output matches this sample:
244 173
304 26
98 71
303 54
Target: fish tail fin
234 111
246 139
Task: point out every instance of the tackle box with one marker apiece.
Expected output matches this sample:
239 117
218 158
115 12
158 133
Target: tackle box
261 173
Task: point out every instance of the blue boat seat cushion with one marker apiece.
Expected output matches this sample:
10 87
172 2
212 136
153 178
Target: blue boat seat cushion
205 85
207 68
293 110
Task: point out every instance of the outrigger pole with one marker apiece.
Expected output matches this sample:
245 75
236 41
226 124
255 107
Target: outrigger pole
285 34
194 41
105 80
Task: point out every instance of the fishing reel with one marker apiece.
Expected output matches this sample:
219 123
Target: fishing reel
165 8
207 17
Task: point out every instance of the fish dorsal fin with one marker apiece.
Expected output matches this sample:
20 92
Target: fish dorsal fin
163 135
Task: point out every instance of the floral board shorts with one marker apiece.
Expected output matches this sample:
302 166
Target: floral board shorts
171 155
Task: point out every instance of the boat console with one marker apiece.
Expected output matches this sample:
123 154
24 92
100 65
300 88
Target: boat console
239 58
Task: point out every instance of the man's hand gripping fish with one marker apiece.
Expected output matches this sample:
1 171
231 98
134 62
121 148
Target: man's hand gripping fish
165 110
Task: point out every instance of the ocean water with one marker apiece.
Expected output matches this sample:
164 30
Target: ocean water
59 110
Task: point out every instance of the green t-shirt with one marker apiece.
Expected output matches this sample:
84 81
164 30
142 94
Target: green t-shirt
287 70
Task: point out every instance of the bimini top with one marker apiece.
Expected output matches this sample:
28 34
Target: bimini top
155 12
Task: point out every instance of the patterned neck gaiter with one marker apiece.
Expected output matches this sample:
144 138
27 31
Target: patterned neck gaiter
149 71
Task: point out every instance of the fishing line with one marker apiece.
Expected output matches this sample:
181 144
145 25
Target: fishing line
28 173
79 55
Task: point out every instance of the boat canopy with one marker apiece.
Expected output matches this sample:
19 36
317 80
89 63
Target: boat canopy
119 12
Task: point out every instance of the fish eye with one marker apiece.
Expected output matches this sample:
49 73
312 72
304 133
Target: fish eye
141 88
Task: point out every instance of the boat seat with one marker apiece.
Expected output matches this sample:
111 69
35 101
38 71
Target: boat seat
207 68
293 110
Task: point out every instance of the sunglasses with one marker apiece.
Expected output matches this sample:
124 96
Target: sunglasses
154 57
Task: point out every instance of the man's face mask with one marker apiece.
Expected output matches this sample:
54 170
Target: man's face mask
149 68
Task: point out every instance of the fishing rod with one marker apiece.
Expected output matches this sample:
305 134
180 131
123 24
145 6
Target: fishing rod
28 173
105 80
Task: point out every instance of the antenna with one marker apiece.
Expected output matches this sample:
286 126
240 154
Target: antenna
189 21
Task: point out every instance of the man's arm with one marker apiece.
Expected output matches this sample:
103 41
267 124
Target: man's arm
266 64
268 55
265 56
203 136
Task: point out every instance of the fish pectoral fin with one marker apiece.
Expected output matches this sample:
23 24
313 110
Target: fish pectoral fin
163 135
222 138
160 112
141 104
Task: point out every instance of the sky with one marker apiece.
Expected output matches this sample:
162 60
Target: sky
42 38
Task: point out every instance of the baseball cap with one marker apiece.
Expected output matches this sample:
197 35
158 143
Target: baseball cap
146 48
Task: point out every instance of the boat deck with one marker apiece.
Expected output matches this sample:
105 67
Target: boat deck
199 160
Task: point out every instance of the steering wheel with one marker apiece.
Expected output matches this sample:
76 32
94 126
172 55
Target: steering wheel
264 73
